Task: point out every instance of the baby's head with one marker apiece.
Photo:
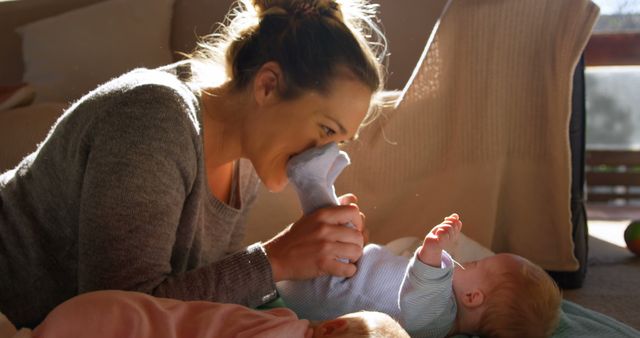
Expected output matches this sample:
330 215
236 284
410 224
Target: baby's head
506 296
360 324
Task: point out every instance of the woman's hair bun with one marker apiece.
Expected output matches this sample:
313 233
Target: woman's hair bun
297 8
313 42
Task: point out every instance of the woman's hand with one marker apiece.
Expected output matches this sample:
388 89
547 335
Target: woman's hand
347 199
312 246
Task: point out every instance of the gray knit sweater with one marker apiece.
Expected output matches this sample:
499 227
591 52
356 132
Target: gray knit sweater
116 197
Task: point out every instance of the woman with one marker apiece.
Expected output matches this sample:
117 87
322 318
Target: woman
144 184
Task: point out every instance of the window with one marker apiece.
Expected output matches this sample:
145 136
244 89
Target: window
612 81
613 77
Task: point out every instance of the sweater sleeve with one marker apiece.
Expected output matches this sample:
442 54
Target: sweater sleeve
141 164
427 303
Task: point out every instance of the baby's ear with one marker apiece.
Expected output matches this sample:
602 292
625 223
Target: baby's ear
473 298
332 327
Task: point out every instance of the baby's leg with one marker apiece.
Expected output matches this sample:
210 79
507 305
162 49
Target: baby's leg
374 287
380 273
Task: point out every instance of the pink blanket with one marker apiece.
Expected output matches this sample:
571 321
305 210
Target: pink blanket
130 314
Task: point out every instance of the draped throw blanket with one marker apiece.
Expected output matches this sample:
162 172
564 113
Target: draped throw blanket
481 129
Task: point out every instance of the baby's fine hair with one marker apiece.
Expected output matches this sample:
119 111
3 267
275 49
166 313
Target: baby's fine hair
521 303
312 41
371 324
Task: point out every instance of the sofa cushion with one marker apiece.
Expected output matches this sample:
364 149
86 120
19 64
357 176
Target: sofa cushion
69 54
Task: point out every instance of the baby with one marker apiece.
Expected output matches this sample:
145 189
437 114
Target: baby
499 296
502 295
123 314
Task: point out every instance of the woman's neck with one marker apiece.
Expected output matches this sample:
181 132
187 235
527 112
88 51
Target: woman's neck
223 115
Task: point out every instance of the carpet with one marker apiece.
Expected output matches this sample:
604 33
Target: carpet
612 282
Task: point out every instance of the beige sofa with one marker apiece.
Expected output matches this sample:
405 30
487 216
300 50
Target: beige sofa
50 44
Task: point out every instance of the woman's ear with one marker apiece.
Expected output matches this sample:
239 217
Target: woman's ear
331 328
473 298
266 83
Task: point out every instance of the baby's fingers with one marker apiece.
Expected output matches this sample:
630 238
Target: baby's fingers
457 225
454 220
453 216
443 230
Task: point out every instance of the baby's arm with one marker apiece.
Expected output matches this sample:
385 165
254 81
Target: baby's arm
427 303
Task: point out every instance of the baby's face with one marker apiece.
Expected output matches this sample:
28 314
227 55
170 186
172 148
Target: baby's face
478 274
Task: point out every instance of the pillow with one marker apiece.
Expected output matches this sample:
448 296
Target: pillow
67 55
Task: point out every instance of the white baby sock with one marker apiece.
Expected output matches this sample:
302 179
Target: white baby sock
313 173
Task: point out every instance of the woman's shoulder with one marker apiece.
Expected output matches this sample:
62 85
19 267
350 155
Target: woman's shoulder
162 84
149 108
150 96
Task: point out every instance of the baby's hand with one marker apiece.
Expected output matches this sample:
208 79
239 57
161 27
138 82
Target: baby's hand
441 237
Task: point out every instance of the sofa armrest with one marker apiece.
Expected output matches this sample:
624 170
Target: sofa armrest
22 129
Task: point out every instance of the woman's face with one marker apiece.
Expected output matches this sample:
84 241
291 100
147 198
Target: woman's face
285 128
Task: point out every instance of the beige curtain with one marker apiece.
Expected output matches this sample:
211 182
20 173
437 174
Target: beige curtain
481 130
